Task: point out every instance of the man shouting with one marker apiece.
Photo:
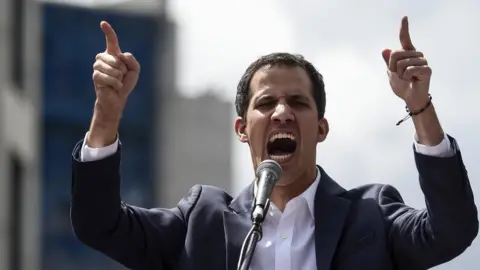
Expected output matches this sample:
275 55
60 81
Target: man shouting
312 222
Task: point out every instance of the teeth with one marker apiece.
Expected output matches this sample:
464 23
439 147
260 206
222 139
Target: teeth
281 135
280 158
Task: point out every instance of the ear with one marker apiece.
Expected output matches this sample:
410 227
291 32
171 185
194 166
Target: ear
240 129
322 129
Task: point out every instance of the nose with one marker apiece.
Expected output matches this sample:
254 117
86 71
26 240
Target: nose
282 114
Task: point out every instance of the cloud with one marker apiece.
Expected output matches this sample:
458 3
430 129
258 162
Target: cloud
218 39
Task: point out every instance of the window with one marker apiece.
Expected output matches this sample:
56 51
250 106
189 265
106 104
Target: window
16 171
17 39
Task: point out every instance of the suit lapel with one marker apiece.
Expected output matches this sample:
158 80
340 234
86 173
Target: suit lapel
237 223
330 213
236 229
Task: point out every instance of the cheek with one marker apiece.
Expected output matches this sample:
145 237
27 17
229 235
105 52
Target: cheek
309 134
256 133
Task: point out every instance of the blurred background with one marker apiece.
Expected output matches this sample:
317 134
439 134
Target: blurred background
177 130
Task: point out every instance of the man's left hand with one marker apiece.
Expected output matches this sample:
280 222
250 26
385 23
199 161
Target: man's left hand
408 71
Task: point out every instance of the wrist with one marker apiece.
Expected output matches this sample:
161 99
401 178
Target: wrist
102 132
417 110
427 127
417 104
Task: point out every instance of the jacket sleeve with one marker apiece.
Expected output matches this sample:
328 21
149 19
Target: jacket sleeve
137 238
421 239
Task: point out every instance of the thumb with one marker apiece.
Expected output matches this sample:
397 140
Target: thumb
129 60
131 77
386 55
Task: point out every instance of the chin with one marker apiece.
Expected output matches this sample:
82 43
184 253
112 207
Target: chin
284 182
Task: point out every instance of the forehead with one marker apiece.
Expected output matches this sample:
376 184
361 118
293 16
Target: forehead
281 80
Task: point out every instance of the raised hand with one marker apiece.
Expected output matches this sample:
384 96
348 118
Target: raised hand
115 75
408 71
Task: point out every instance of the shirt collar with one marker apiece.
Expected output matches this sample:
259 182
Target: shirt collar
308 195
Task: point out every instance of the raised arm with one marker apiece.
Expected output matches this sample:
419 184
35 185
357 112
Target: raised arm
421 239
135 237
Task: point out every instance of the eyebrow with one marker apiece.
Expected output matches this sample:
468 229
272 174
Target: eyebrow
299 97
267 97
263 97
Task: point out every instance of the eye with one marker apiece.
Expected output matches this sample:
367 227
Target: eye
298 103
265 104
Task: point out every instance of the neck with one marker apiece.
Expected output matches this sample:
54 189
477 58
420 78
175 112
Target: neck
281 195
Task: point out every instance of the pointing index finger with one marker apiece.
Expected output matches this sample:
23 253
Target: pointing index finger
405 39
111 39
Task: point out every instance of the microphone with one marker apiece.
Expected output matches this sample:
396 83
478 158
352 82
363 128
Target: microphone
268 173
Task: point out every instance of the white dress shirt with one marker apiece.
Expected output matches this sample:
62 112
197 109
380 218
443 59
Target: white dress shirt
288 241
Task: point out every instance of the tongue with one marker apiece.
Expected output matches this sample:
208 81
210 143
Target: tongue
278 152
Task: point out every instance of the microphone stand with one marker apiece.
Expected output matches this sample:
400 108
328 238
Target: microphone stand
251 240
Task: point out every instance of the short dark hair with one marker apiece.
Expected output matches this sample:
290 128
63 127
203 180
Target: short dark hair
243 97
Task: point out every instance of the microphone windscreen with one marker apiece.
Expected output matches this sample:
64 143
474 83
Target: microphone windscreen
270 165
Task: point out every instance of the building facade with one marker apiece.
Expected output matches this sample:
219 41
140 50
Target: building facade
197 146
46 101
71 39
170 143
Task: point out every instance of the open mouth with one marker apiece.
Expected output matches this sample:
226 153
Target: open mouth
281 146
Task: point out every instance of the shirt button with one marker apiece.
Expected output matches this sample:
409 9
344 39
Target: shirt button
283 236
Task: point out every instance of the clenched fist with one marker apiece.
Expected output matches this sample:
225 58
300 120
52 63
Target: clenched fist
115 74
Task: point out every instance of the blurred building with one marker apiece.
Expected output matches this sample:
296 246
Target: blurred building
71 39
20 122
170 143
198 146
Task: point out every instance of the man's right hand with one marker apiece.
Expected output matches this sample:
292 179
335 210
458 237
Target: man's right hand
115 74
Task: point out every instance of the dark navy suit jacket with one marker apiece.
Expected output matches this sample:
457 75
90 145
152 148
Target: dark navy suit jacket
368 227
